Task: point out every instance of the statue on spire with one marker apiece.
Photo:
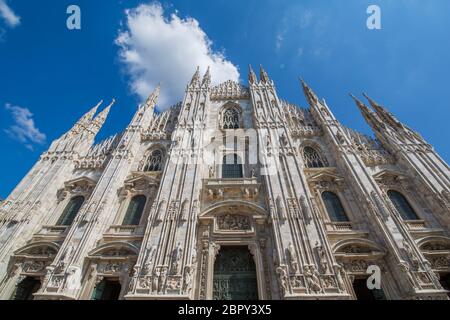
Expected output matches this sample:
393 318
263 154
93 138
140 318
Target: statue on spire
384 114
207 78
153 97
251 75
100 119
263 74
196 77
310 95
85 120
368 114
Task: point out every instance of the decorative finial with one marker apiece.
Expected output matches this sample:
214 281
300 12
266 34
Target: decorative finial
263 74
251 75
310 95
196 77
207 77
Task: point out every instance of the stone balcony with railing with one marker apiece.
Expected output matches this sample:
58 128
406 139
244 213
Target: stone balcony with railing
416 225
339 226
422 228
51 233
346 229
124 232
218 189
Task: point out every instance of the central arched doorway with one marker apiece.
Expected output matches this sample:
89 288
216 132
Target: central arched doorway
235 275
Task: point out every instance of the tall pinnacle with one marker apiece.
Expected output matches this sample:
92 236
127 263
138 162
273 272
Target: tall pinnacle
86 119
153 97
100 119
310 95
383 113
251 75
207 78
196 77
263 74
368 115
90 114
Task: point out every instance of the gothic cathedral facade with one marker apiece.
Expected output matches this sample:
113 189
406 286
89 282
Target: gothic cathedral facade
232 193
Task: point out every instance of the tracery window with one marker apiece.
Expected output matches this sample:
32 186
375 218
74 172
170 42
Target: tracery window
402 205
70 211
334 207
313 159
231 118
232 167
154 161
134 210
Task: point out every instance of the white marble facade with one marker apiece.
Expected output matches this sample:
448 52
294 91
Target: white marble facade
295 161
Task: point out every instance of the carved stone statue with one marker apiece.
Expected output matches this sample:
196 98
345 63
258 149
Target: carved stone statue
312 279
150 257
187 281
404 267
322 258
283 280
176 257
411 255
292 258
340 273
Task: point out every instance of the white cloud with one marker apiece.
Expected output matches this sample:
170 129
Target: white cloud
24 129
162 49
8 15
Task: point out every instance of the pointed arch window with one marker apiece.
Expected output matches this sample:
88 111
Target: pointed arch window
154 161
231 118
70 211
313 158
402 205
334 207
232 167
134 210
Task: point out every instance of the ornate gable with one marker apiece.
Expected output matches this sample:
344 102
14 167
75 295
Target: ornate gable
389 178
324 178
229 90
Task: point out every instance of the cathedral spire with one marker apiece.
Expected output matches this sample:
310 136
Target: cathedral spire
84 121
153 97
309 94
384 114
196 77
207 78
251 75
263 74
100 119
368 115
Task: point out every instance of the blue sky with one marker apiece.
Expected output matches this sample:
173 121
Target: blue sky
49 75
